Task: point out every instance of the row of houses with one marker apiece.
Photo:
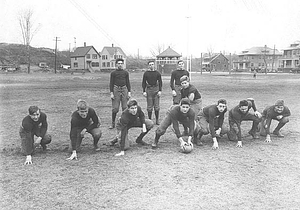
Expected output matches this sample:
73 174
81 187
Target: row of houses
255 58
88 58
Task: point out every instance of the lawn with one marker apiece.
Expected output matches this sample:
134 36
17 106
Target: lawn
259 175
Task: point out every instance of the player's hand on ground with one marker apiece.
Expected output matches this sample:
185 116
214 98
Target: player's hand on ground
129 95
279 117
239 144
38 140
28 160
215 144
189 141
120 154
144 94
268 138
73 156
174 93
159 93
182 144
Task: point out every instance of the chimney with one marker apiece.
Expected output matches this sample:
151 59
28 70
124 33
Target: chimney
84 44
112 45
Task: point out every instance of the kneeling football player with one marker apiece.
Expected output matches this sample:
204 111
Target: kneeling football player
178 114
84 120
278 112
34 124
211 120
132 116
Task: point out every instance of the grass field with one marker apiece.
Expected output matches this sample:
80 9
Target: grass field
258 176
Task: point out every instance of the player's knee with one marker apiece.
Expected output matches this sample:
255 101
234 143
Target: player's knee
284 120
47 139
115 110
160 132
149 124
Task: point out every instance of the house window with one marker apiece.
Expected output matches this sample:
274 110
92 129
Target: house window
112 64
108 64
95 64
88 56
75 58
94 56
103 64
75 65
104 57
115 56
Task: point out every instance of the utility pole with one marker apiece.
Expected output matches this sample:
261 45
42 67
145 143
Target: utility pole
201 63
56 39
273 58
230 63
265 59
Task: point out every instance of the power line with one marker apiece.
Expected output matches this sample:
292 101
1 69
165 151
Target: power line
91 20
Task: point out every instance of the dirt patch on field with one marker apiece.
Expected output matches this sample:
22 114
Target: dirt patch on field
258 176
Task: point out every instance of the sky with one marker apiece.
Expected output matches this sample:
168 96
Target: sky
140 27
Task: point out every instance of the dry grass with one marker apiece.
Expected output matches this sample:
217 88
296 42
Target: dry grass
257 176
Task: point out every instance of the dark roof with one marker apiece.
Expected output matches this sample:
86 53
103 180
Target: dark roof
217 55
260 51
82 51
112 50
169 52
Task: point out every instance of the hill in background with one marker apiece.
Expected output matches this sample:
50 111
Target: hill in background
16 54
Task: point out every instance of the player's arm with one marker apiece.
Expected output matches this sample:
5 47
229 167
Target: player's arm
95 120
128 84
286 112
144 83
111 84
44 126
172 80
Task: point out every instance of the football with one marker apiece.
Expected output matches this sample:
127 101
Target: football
187 148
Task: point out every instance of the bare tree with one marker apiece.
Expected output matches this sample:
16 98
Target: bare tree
157 50
28 31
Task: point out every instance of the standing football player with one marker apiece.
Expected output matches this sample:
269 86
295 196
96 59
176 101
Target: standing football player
152 85
120 90
278 112
175 83
34 124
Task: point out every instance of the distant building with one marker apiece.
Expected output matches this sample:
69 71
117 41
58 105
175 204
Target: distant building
109 56
258 58
291 58
217 62
85 58
167 61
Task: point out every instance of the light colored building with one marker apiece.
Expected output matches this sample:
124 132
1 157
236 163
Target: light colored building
167 61
291 58
109 56
258 58
85 58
